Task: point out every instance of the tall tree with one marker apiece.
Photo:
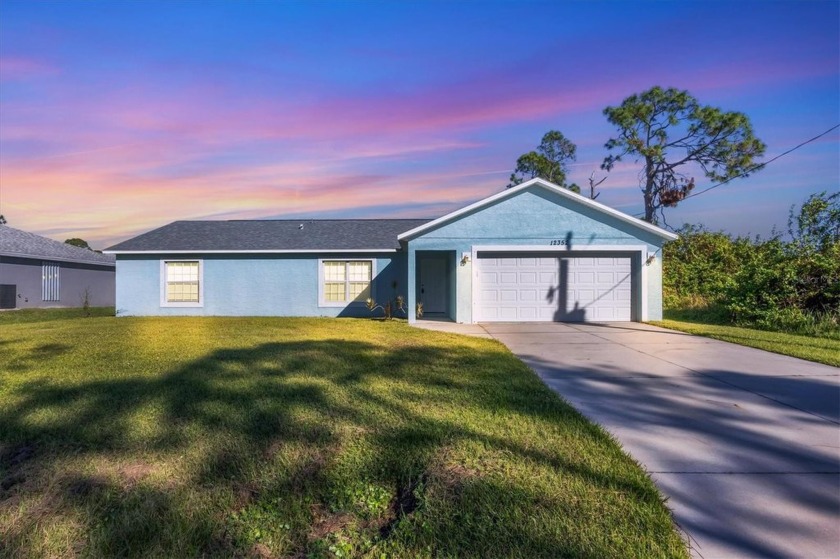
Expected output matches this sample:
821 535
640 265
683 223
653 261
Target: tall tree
77 242
549 161
673 135
2 219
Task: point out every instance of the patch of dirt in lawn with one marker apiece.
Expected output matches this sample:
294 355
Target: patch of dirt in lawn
16 455
405 502
260 551
325 522
15 467
85 486
244 493
130 474
447 474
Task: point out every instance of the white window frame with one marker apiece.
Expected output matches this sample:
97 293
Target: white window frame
322 302
163 301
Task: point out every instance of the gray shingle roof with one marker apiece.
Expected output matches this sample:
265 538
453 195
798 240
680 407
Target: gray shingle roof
297 234
14 242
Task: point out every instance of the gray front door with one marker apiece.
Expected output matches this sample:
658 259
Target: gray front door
433 284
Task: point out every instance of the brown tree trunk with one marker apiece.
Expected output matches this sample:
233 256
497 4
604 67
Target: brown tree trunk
649 194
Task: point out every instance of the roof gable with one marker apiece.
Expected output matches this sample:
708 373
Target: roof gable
550 187
21 244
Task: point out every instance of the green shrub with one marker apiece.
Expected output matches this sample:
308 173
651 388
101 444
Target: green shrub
699 267
776 284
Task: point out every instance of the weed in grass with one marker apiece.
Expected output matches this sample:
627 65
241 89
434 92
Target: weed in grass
363 498
260 523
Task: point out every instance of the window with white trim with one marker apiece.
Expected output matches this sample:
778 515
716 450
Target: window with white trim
181 283
345 281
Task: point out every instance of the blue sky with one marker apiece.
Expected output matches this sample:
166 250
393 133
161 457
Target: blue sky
119 117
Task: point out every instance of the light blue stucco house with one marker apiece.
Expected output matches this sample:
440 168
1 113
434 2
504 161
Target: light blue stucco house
535 252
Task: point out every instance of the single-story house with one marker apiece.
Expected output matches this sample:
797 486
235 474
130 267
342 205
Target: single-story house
534 252
40 272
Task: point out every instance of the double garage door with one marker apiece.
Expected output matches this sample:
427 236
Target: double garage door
546 287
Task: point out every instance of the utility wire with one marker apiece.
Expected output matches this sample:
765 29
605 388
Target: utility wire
764 164
758 165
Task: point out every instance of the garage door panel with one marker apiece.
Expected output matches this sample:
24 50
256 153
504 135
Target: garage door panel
528 295
583 296
527 313
489 295
585 277
527 288
508 313
508 295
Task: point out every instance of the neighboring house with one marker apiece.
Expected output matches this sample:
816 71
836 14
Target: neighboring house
535 252
40 272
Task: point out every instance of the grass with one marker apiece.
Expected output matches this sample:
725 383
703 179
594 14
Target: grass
813 348
184 437
820 325
20 316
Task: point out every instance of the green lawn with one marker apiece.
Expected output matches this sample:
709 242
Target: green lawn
20 316
812 348
179 437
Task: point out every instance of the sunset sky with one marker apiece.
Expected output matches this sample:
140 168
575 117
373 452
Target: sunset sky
116 118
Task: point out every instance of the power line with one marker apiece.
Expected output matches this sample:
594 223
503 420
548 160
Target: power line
758 165
764 164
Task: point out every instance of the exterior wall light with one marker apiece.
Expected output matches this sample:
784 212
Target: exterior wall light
465 257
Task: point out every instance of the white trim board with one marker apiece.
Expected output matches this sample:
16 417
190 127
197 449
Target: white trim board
551 188
559 248
25 256
319 251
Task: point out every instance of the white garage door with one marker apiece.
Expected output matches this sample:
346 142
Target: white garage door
538 287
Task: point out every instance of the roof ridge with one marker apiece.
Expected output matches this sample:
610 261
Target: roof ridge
289 220
327 219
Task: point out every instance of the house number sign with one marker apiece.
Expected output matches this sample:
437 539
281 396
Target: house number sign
558 242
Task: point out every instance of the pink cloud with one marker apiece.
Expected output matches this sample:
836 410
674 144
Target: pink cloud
136 156
22 68
109 192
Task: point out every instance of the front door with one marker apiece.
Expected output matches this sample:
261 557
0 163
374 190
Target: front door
433 285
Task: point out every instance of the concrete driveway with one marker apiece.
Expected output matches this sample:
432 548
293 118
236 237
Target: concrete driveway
744 443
